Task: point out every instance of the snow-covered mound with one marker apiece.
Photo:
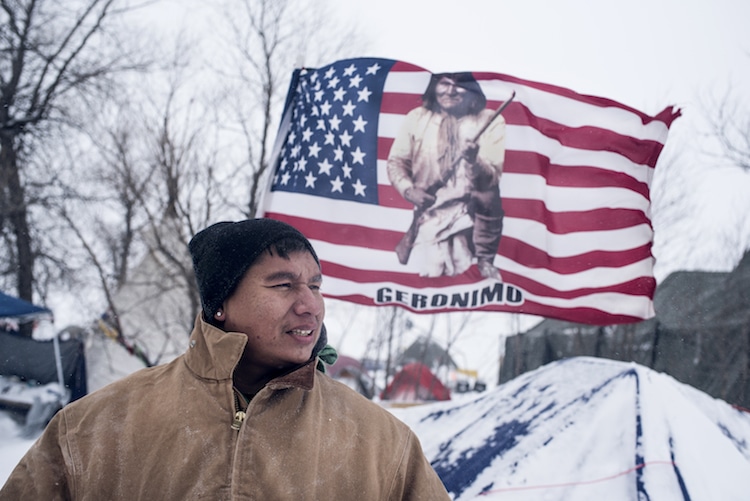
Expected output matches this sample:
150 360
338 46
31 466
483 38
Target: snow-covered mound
588 429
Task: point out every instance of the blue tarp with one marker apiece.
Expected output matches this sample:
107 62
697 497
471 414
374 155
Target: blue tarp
13 307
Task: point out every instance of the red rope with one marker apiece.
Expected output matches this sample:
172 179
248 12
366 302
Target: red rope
582 482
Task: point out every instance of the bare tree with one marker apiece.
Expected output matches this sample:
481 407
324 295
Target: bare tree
52 58
266 40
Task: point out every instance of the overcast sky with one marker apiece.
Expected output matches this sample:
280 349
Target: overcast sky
648 54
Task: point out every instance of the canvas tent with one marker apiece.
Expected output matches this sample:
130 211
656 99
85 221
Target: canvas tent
415 383
37 376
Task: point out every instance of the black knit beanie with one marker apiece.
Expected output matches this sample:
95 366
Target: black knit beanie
223 252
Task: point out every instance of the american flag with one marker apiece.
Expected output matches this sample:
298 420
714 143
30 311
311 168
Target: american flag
577 237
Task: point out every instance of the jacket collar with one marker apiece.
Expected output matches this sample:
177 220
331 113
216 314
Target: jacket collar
214 353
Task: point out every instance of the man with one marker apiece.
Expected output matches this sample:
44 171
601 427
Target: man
243 414
453 180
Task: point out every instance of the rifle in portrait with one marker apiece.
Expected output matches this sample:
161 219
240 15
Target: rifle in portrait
404 246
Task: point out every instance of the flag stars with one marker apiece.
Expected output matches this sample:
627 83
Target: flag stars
321 125
325 167
337 185
346 138
301 165
313 150
347 170
349 70
338 154
338 94
355 81
349 108
359 124
358 156
334 122
359 188
371 70
285 178
364 95
310 180
325 108
330 73
330 138
334 82
307 134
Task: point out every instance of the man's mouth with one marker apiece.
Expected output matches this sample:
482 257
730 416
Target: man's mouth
300 332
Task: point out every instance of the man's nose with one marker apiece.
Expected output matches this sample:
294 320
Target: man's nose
308 301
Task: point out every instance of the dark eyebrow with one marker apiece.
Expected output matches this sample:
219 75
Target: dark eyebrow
286 275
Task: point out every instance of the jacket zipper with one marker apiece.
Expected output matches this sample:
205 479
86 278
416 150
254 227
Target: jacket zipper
239 414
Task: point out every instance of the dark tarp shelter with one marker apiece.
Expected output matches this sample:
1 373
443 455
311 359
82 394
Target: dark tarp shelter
35 360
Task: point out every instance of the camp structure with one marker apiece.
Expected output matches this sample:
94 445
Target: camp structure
37 376
415 383
352 373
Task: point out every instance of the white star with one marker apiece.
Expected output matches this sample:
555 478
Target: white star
329 138
295 151
359 188
349 108
321 125
310 180
346 138
319 95
347 170
325 167
313 150
330 72
359 124
338 94
307 134
333 83
358 156
303 120
364 95
314 76
349 71
338 154
285 178
325 108
301 165
283 163
371 70
336 185
355 81
292 137
334 122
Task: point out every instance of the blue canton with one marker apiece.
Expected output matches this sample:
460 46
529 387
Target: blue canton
331 145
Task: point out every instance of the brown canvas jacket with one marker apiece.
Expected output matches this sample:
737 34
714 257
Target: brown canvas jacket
165 433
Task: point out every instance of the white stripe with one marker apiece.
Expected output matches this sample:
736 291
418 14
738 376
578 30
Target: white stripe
532 232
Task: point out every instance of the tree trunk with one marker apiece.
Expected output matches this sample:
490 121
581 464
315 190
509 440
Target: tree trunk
15 212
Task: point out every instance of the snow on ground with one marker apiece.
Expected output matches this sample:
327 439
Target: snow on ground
574 430
587 428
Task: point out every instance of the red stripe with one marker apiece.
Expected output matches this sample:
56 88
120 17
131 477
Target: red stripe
527 162
514 249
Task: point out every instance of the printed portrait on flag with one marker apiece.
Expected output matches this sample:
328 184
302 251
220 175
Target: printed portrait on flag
447 160
546 212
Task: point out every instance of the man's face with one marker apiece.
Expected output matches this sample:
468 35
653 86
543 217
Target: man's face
450 97
279 307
